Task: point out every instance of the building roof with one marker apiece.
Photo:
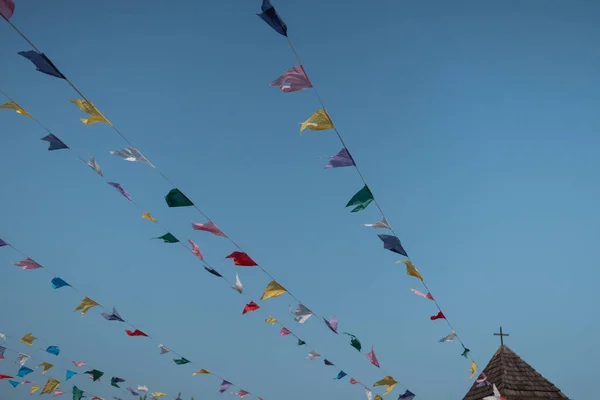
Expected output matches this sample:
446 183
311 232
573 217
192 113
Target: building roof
515 379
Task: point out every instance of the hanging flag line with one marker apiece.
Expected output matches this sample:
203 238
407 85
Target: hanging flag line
297 79
44 65
195 250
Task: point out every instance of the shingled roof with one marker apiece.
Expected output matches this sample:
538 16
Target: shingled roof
515 379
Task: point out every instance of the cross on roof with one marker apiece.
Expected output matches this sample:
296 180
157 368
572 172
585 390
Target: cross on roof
501 334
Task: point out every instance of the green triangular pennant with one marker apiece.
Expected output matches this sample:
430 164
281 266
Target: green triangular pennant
168 238
354 342
301 342
181 361
361 199
95 374
177 199
465 353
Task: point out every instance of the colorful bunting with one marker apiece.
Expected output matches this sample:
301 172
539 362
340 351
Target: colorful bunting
57 283
272 290
392 243
131 154
14 106
35 389
22 359
163 349
79 363
270 16
284 331
7 8
69 374
212 271
448 338
46 365
95 374
302 313
473 369
224 386
42 63
242 259
89 108
412 270
361 199
271 320
146 215
196 250
313 355
94 165
120 189
85 305
425 296
175 198
252 306
319 121
332 324
389 383
134 333
168 238
53 350
27 264
77 393
181 361
28 339
238 284
201 372
24 371
408 395
113 316
340 375
292 80
54 142
383 224
114 381
439 315
354 342
14 383
50 386
208 227
372 357
341 159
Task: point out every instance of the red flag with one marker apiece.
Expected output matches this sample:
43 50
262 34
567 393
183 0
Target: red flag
5 376
439 315
252 306
353 381
284 331
137 332
7 8
242 259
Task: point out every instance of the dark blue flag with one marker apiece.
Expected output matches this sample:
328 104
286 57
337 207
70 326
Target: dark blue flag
42 63
392 243
55 143
270 16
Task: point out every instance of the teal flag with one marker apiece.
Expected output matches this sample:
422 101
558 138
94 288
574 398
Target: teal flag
181 361
361 199
177 199
77 393
168 238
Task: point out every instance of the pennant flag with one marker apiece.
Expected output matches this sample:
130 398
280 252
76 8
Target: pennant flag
354 342
5 376
242 259
133 392
77 393
332 324
146 215
496 396
57 283
131 154
252 306
482 380
372 357
24 371
439 315
95 374
302 314
284 331
157 395
2 242
22 359
93 114
42 63
272 290
377 397
14 106
202 371
196 250
120 189
238 284
3 337
94 165
47 366
465 352
340 375
271 320
328 363
114 381
137 332
293 80
313 355
389 383
142 388
353 381
54 142
85 305
319 121
35 389
208 227
2 350
212 271
473 369
341 159
361 199
175 198
163 349
412 270
7 8
14 383
50 386
79 363
58 393
168 238
242 393
369 394
224 386
53 350
301 342
448 338
408 395
27 264
383 224
270 16
69 374
425 296
392 243
181 361
28 339
113 316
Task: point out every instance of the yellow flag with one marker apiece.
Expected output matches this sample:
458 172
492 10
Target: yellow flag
389 383
28 339
90 108
158 395
202 371
271 320
378 397
273 289
147 216
14 106
473 369
46 366
51 386
412 270
319 121
85 305
35 389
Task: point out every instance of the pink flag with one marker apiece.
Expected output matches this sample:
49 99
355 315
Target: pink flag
58 393
332 324
242 393
79 363
27 263
284 332
208 227
425 296
7 8
292 80
372 357
353 381
196 250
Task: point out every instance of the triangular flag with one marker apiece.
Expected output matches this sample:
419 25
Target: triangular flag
175 198
270 16
354 342
242 393
7 8
77 393
372 357
54 142
332 324
27 264
208 227
412 270
114 381
389 383
2 376
284 331
50 386
408 395
313 355
361 199
58 393
242 259
136 332
273 289
95 374
3 243
341 159
94 165
328 363
425 296
42 63
14 383
85 305
53 350
439 315
252 306
301 342
133 392
120 189
35 389
113 316
473 369
271 320
301 314
24 371
319 121
196 250
212 271
202 371
163 349
369 394
22 359
392 243
168 238
28 339
340 375
142 388
69 374
353 381
46 366
93 114
146 215
238 284
224 386
157 395
57 283
131 154
79 363
496 396
181 361
292 80
18 109
465 352
448 338
383 224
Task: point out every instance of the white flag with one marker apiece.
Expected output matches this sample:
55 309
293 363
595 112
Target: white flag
142 388
22 358
94 165
3 337
448 338
496 395
302 314
238 284
381 224
163 349
369 394
131 154
313 355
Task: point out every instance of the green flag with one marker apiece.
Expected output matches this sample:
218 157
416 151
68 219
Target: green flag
301 342
95 374
361 199
77 394
177 199
181 361
354 342
465 353
168 238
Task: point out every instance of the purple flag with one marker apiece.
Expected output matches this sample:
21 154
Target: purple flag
213 271
120 189
332 324
341 159
133 392
55 143
327 362
114 316
42 63
3 243
408 395
224 386
392 243
293 80
270 16
28 263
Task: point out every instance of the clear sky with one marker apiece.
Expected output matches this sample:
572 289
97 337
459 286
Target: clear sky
475 123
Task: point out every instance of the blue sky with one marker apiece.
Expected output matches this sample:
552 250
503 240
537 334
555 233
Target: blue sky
473 122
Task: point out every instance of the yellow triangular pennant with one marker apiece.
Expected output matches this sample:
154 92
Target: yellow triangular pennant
202 371
389 382
85 305
147 216
89 108
14 106
51 386
273 289
319 121
28 339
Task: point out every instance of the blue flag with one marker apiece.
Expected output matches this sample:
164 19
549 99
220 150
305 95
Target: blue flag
55 143
53 350
42 63
392 243
14 383
23 371
270 16
70 374
408 395
57 283
340 375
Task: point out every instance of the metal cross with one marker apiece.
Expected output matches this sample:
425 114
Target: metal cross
501 334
